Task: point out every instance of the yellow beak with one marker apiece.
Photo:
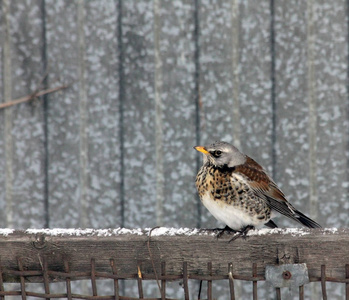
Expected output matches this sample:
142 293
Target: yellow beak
201 149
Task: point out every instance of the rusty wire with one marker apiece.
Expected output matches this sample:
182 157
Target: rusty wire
68 275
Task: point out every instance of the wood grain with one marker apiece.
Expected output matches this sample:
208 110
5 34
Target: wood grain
196 248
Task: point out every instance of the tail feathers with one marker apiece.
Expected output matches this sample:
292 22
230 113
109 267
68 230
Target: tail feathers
306 221
270 224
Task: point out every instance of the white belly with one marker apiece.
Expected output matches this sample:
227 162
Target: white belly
232 216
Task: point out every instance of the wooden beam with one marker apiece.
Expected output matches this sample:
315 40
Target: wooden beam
130 249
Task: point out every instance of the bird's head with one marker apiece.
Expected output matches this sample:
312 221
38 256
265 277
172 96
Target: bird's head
221 154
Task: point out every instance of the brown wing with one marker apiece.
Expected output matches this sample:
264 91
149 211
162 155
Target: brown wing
265 188
260 180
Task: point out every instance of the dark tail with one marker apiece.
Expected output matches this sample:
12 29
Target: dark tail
306 221
270 224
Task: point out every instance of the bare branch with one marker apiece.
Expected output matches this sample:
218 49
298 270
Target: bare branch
32 96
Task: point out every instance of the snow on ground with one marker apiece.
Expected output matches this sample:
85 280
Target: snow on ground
158 231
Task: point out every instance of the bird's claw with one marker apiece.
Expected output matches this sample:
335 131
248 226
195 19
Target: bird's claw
242 233
225 229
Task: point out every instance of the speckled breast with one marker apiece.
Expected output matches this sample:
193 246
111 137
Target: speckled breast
231 188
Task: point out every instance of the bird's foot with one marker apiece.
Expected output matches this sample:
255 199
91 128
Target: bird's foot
222 230
242 233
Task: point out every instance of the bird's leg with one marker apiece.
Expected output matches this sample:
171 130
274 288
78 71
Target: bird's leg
242 233
222 230
246 230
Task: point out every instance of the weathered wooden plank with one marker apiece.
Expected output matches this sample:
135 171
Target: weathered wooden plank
331 84
25 199
177 56
311 90
102 88
139 114
174 246
216 73
90 158
292 142
5 87
63 115
158 118
255 81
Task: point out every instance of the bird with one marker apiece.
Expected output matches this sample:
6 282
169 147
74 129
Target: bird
239 192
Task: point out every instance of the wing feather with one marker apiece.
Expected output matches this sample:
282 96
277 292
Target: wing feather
264 187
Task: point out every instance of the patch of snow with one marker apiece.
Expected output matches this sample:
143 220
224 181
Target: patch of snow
82 232
161 231
6 231
266 231
136 231
330 230
62 231
173 231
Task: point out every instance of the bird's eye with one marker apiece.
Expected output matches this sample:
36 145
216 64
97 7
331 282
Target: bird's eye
217 153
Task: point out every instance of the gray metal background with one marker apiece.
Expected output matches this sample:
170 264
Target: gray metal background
151 79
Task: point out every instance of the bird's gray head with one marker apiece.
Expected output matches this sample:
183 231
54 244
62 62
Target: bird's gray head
221 154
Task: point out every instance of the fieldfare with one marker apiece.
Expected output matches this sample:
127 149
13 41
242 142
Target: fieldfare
238 191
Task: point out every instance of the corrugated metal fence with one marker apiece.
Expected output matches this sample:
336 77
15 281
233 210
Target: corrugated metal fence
150 79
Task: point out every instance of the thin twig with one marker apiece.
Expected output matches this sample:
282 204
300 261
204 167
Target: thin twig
32 96
151 258
37 89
